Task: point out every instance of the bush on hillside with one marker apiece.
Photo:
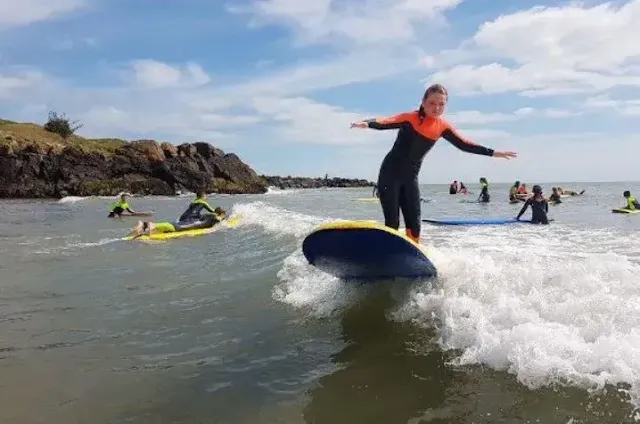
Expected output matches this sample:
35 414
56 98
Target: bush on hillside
61 125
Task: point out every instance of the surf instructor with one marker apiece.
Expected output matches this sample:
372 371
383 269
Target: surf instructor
418 132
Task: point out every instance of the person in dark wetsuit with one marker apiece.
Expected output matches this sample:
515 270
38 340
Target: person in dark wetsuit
513 191
539 207
484 193
453 187
418 132
555 196
120 206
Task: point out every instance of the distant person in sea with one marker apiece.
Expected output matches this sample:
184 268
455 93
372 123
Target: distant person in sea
375 191
484 191
569 192
120 206
463 188
418 132
522 190
513 192
632 203
192 218
539 207
453 187
555 196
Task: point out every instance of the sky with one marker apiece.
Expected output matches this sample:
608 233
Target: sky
279 81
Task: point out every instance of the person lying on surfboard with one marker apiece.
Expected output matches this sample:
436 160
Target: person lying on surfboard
418 132
120 206
632 203
539 207
565 192
207 221
192 218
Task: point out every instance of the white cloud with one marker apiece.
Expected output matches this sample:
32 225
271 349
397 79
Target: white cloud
156 74
301 120
24 12
15 84
475 117
558 50
309 77
367 22
627 107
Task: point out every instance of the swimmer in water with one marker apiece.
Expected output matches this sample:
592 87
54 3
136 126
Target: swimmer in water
513 192
632 203
453 187
463 188
539 207
419 130
484 193
555 196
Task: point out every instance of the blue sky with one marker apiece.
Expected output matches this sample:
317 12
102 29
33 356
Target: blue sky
279 81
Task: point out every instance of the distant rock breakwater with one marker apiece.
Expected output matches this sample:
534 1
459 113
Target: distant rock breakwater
306 182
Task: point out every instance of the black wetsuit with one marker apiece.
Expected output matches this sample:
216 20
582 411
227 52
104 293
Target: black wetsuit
484 194
452 189
194 218
398 177
194 211
555 198
539 210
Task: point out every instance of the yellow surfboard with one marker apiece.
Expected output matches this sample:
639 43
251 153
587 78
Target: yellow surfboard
366 251
230 222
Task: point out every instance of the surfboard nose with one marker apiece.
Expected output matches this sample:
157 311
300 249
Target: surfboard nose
365 250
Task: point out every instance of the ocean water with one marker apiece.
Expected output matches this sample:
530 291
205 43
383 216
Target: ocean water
525 324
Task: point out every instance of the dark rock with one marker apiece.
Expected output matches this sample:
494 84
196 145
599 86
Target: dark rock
138 167
305 182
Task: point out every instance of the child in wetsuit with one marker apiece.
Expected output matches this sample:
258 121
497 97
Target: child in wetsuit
120 206
555 196
484 193
632 203
539 207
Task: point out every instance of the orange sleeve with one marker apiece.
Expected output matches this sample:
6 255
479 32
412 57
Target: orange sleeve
452 136
391 122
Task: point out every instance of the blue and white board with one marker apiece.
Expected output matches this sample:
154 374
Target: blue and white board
474 221
365 250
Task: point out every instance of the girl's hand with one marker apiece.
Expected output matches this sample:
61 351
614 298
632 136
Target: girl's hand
360 124
505 155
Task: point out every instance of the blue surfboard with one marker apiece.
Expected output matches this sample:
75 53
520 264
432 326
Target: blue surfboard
475 221
365 250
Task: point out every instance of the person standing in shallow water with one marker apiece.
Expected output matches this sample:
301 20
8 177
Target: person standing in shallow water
418 132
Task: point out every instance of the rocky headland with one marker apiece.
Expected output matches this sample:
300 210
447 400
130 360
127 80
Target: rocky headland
37 163
307 182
